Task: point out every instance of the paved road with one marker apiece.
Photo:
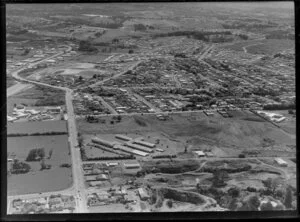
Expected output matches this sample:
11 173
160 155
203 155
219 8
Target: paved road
143 100
109 107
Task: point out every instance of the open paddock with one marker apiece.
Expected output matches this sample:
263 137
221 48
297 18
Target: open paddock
38 181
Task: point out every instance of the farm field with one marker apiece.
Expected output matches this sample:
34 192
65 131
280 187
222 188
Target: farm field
271 46
266 47
40 181
37 127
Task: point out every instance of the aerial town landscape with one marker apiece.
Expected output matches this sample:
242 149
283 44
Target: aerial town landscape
150 107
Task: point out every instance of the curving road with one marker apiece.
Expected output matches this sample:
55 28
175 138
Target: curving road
78 187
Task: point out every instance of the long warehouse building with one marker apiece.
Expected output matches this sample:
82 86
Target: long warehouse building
122 137
138 147
103 142
130 150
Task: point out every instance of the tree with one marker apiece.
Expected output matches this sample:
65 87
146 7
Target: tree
43 164
234 192
50 153
119 118
80 78
130 51
254 203
271 184
86 46
36 154
80 141
266 206
233 204
288 198
219 178
170 203
242 155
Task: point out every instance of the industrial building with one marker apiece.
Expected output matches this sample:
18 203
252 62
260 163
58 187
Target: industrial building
199 153
130 150
102 177
122 137
109 164
132 165
281 162
209 154
138 147
103 142
54 109
143 194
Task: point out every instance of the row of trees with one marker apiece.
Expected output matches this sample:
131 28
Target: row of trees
86 46
35 134
280 106
199 35
164 156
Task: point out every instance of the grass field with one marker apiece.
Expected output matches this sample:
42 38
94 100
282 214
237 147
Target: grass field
266 47
36 180
271 46
10 81
37 127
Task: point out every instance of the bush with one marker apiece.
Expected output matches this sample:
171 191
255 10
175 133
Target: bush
234 192
66 165
288 198
266 206
170 203
35 154
86 46
219 178
251 189
20 167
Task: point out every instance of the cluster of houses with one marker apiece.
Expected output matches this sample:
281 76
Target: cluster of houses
116 195
50 204
21 112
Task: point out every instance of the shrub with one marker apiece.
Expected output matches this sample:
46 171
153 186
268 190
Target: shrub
170 203
35 154
251 189
20 167
288 198
234 192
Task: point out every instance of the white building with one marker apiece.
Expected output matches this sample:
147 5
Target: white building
199 153
281 162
